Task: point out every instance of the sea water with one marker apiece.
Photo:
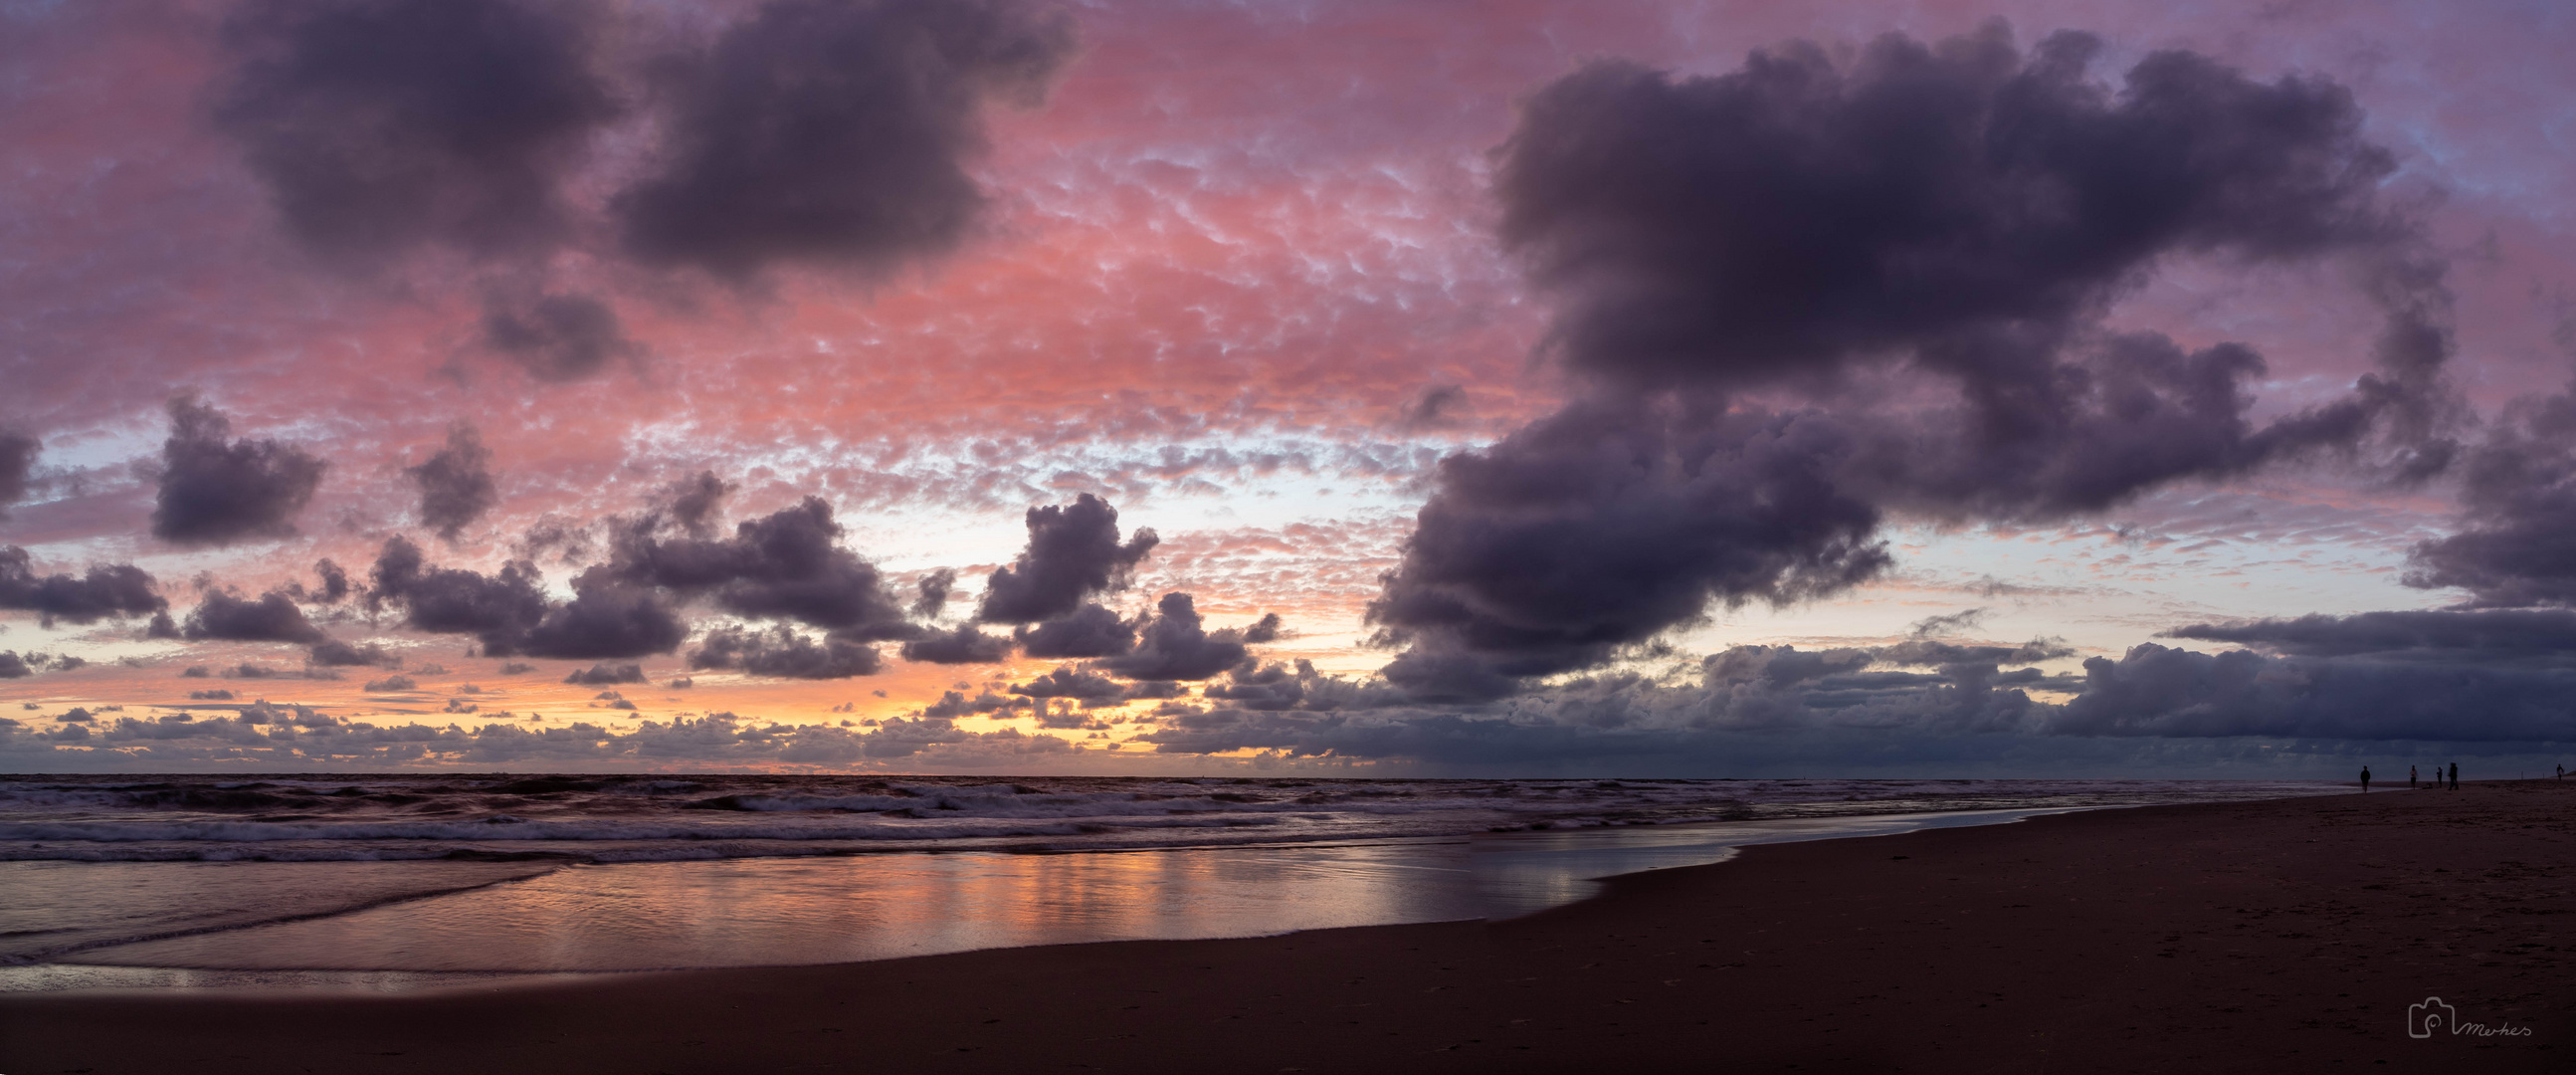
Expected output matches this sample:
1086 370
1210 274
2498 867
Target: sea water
403 882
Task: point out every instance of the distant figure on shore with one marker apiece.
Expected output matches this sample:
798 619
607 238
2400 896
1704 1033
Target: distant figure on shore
2365 780
2455 776
2562 773
2410 778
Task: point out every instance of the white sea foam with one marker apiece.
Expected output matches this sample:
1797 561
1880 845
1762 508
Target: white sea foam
379 817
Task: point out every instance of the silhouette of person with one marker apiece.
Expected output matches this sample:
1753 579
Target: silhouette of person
2410 778
2455 776
2365 780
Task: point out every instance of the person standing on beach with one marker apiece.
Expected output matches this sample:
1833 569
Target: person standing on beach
2455 776
2365 780
2410 778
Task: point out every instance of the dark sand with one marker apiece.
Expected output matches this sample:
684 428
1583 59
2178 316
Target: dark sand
2284 936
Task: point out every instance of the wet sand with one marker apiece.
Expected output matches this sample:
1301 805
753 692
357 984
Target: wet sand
2289 935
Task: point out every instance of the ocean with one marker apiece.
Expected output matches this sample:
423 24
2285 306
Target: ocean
400 882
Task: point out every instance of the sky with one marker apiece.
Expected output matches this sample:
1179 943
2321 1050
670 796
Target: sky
1645 389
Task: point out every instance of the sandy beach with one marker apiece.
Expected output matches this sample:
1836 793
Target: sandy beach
2279 935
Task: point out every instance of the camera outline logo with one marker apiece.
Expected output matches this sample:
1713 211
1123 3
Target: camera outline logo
2421 1016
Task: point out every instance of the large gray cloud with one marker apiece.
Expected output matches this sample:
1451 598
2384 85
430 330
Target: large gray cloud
786 565
105 591
2485 634
2490 681
2471 675
2422 694
1073 554
217 491
379 125
510 614
1174 645
835 132
2518 499
1089 631
1921 244
273 617
1606 524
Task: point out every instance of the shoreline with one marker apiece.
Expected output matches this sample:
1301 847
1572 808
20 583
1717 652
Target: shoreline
1644 848
2221 936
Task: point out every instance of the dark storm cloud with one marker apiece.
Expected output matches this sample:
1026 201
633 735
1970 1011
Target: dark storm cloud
2159 691
557 337
510 614
274 617
1173 645
216 491
105 591
497 608
1796 215
13 666
1923 243
605 674
2478 674
456 485
606 617
786 565
785 653
835 132
17 463
2481 677
380 125
1759 691
965 645
2488 634
2518 500
1073 554
1089 631
1606 524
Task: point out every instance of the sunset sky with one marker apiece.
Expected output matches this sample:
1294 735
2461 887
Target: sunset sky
1601 389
